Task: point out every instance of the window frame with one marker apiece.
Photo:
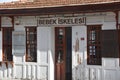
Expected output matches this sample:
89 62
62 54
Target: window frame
29 44
6 45
94 55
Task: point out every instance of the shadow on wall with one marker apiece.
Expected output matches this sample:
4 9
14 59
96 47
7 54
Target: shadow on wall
6 69
6 65
79 67
81 72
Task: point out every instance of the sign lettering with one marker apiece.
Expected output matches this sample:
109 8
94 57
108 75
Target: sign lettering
62 21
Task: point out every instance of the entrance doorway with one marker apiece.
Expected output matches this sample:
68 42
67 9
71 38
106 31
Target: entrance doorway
63 53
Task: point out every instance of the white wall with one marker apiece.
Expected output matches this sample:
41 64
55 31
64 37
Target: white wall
109 70
78 32
45 51
0 45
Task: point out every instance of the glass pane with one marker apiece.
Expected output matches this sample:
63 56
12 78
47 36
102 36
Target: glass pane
60 42
60 37
93 35
7 36
7 44
60 31
31 44
59 56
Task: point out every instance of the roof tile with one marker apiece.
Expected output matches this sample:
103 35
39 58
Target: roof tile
51 3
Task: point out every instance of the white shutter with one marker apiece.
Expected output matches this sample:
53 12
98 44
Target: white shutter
0 45
42 40
43 43
18 42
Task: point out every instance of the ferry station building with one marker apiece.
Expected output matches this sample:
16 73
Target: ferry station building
60 40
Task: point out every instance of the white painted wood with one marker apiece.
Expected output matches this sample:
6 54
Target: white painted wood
44 67
93 72
18 42
18 71
1 72
110 75
43 44
99 74
118 75
24 72
19 28
119 17
4 70
0 45
110 68
110 62
18 58
43 73
29 71
44 49
78 58
94 20
78 32
51 53
33 72
6 22
28 20
109 26
38 72
109 18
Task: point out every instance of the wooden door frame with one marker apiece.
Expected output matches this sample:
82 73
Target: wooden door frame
64 56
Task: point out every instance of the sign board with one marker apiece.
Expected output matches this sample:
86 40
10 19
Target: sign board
62 21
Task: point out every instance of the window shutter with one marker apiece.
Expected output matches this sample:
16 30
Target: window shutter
119 41
18 42
0 45
110 44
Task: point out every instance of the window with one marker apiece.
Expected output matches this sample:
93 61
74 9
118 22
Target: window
110 44
7 44
31 44
94 44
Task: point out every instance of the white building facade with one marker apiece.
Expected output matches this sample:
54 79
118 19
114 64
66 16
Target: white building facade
51 47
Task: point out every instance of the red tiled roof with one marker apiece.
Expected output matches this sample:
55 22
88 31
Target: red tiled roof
51 3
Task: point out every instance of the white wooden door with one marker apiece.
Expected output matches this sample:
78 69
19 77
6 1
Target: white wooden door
42 56
44 53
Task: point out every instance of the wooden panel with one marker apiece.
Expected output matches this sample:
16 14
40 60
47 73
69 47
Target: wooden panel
119 43
44 73
7 44
60 53
63 53
43 52
68 57
110 62
0 46
110 75
0 23
109 43
7 21
43 44
18 73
